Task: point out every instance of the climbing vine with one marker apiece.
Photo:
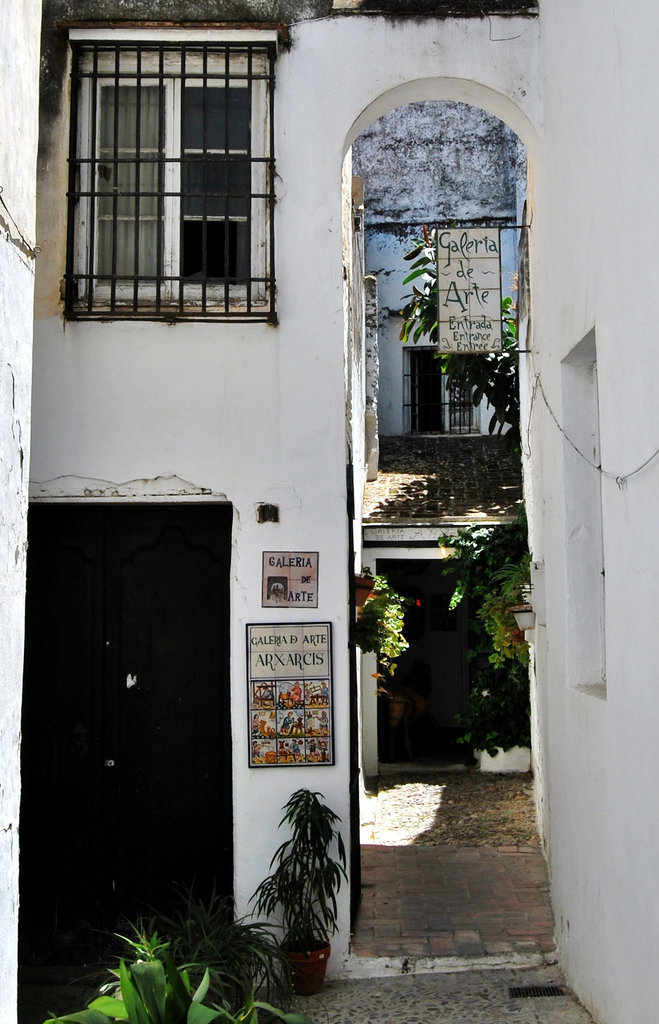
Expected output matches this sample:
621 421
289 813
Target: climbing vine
492 565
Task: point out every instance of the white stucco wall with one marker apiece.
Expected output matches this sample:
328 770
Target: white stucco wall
255 413
19 70
593 253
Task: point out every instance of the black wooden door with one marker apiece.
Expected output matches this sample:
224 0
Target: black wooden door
126 735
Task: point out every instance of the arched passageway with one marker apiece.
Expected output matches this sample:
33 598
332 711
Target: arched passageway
432 162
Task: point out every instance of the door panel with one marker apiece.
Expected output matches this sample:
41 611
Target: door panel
127 753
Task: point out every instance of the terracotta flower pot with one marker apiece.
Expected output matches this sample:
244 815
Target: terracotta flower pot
363 588
309 970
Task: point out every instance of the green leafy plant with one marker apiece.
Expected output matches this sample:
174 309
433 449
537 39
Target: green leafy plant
498 713
379 629
150 992
240 955
155 991
496 612
307 874
248 1014
492 568
493 375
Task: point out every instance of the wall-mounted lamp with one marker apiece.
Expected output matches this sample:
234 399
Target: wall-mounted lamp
524 616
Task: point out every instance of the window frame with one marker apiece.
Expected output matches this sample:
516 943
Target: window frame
171 62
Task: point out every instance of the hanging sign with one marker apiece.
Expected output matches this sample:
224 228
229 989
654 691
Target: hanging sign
290 579
469 290
289 676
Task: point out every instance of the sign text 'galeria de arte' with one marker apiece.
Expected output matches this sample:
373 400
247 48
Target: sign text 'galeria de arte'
469 289
290 579
289 679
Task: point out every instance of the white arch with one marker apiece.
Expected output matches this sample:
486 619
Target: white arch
459 90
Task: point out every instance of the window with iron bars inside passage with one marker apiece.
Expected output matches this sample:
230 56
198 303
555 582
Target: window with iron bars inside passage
430 404
171 181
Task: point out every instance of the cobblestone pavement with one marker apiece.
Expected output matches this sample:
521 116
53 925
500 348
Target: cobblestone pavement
467 997
442 479
453 807
458 997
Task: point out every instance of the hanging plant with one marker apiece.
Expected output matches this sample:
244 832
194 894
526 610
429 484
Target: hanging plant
380 627
496 612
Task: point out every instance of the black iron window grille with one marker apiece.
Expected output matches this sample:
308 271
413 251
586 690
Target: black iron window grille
430 404
171 181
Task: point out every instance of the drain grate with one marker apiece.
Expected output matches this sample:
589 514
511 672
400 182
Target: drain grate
535 991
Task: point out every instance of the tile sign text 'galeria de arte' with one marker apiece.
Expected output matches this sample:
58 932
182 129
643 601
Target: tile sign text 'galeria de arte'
469 289
290 579
289 670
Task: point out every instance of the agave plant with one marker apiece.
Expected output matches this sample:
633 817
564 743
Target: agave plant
155 991
240 955
150 992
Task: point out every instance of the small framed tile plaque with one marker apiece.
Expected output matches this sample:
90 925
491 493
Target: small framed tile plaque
290 579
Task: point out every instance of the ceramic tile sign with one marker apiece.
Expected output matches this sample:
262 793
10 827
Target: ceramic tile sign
289 677
469 289
290 579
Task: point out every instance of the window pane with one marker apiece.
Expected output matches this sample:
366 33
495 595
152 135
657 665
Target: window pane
215 249
127 180
205 125
216 187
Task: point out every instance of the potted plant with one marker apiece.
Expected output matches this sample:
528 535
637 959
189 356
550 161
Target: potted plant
508 589
496 721
364 584
309 868
380 626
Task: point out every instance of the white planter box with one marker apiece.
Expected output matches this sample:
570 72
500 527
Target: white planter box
517 759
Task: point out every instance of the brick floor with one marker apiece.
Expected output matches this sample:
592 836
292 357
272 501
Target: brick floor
453 901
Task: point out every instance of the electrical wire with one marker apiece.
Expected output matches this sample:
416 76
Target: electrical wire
620 478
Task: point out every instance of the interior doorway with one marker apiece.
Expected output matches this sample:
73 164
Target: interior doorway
434 667
126 730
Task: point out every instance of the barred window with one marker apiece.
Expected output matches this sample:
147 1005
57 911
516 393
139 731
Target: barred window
171 181
430 405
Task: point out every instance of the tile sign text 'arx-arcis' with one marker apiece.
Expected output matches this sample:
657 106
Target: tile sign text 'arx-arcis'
469 289
289 669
